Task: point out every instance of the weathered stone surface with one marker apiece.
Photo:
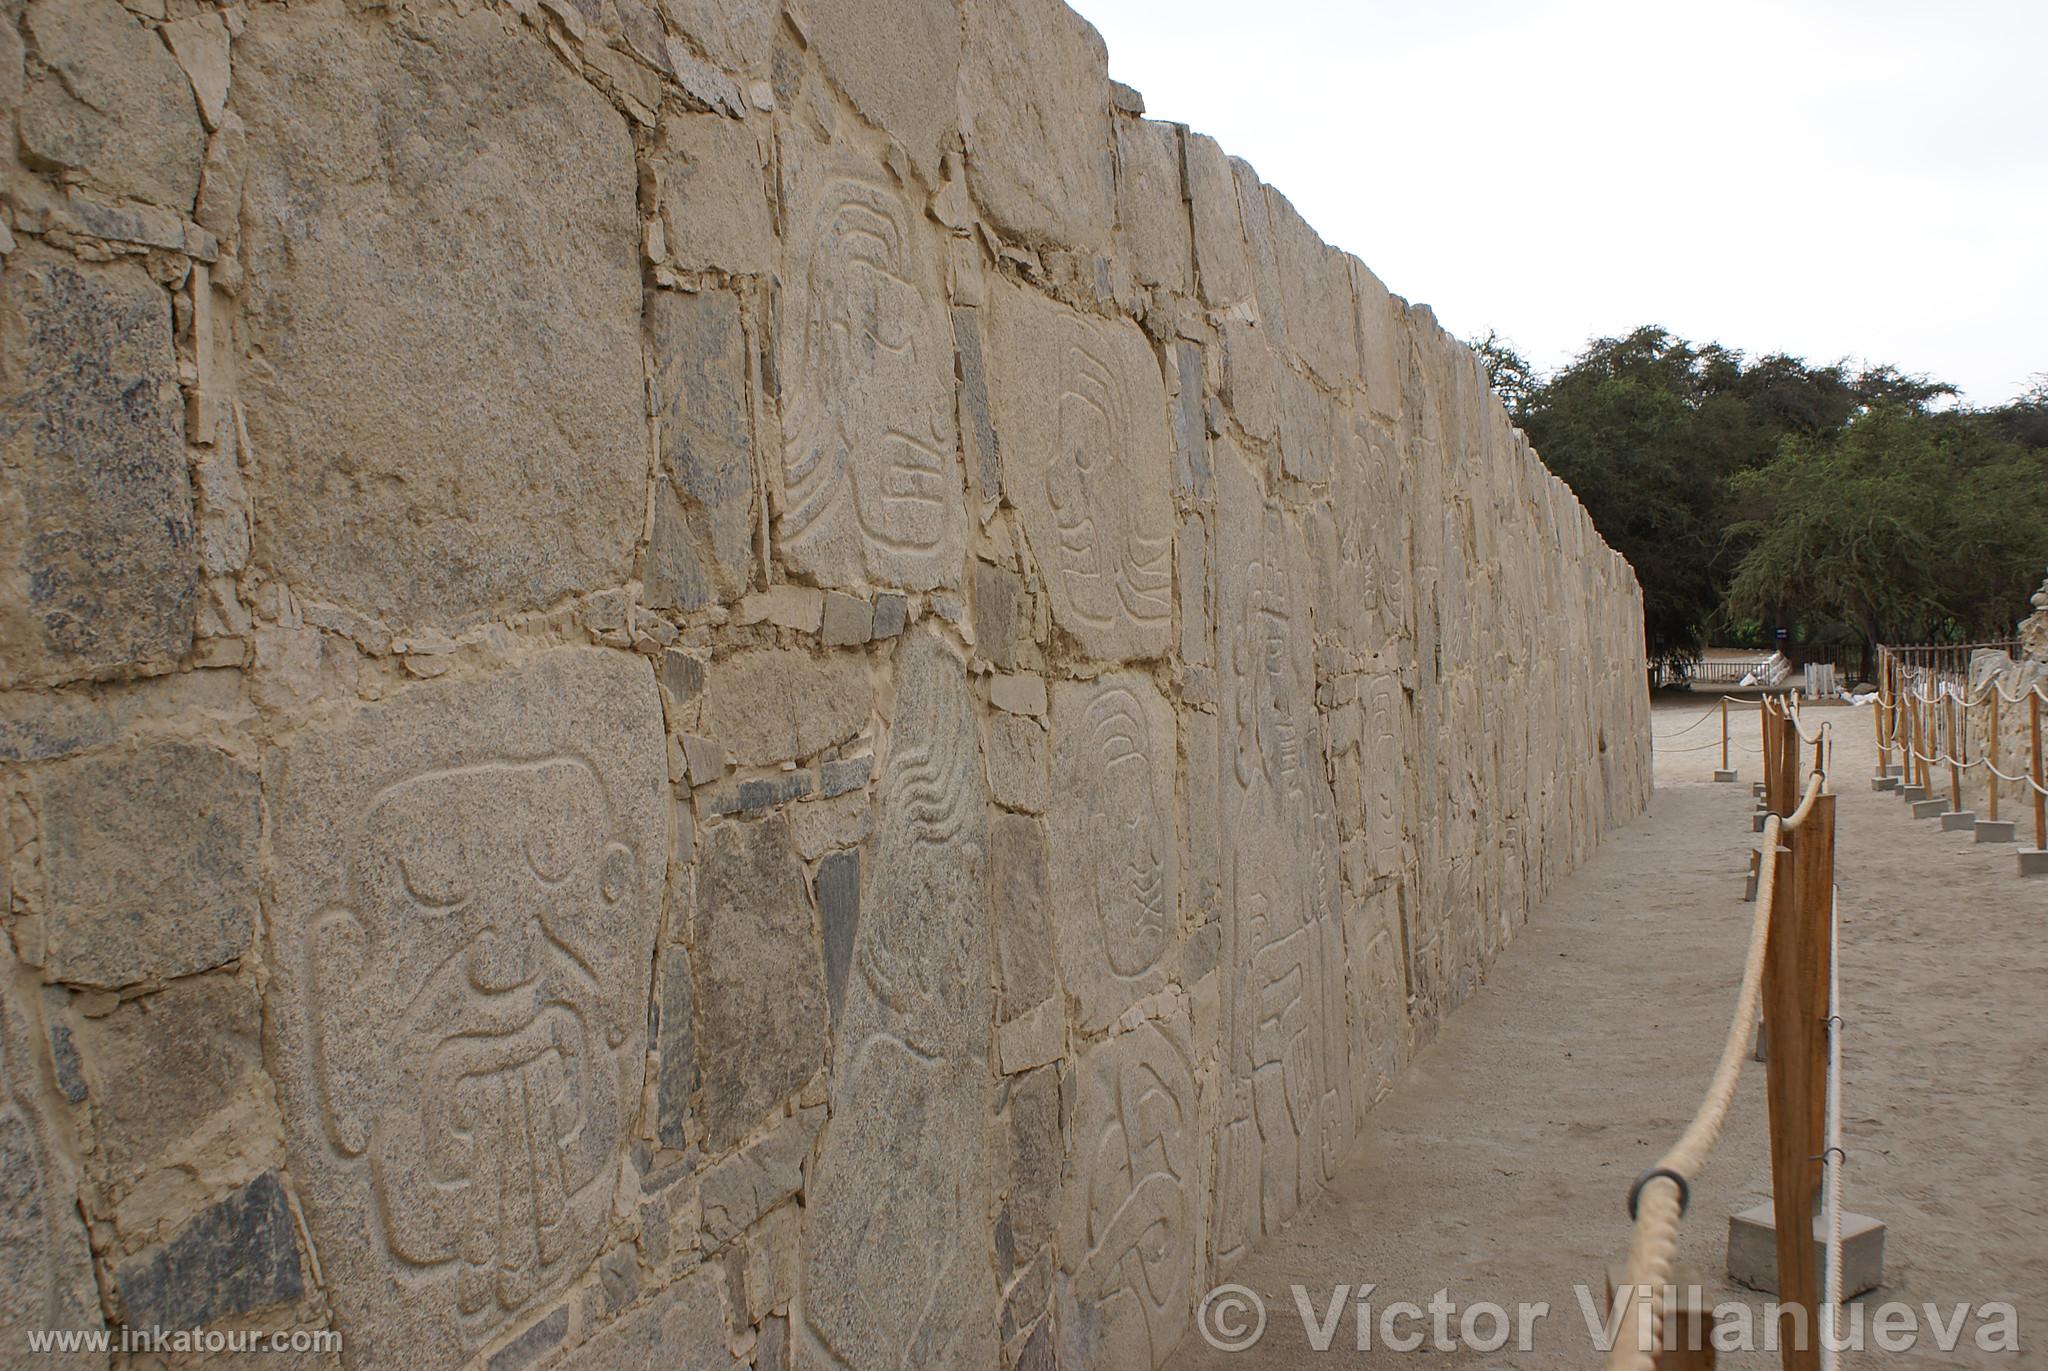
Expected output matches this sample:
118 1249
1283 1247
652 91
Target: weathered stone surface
898 61
825 825
1002 618
149 861
1152 217
46 1273
714 204
1382 342
870 476
754 1180
977 421
110 102
1379 1023
786 606
1115 885
1034 108
40 725
1018 694
848 620
1252 373
891 614
844 775
468 880
200 44
1192 570
1255 212
1035 1157
1315 283
1024 957
675 1027
239 1256
1283 999
1016 763
1130 1245
536 1341
761 1000
769 705
175 1077
702 544
1088 466
1190 423
100 571
1221 265
896 1234
736 34
838 889
681 1329
418 357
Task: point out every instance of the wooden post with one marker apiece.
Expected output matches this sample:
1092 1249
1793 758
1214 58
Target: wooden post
1913 757
1724 733
2040 801
1763 723
1991 742
1955 753
1790 780
1795 1008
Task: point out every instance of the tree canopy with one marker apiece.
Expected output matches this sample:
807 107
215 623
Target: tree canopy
1846 506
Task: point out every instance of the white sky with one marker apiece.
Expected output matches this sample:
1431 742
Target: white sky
1861 180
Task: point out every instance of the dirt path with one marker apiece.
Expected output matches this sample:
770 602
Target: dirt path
1498 1167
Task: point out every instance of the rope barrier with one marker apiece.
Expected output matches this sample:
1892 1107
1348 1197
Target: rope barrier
1654 1244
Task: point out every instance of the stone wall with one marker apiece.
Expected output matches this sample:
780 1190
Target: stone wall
704 685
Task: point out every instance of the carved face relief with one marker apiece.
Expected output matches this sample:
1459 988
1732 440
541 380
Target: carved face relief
1115 888
870 480
1113 566
489 1126
1081 421
1130 1238
464 953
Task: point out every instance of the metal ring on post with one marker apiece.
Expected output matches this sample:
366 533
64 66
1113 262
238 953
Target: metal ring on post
1635 1191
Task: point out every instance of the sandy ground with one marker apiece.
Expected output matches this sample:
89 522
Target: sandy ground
1499 1166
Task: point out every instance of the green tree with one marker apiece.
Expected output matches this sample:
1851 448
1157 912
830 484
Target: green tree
1903 525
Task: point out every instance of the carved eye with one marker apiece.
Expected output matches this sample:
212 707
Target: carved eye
435 888
616 875
552 858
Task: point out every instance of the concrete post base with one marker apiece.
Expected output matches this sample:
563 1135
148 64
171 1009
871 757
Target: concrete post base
2003 831
1884 783
1724 777
1756 788
1753 1251
1912 794
1929 809
2033 861
1756 864
1756 820
1956 820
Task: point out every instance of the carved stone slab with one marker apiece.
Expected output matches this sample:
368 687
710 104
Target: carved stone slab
468 881
1115 878
870 476
1082 421
1129 1239
896 1222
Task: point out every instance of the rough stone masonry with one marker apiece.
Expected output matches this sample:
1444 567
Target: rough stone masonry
693 684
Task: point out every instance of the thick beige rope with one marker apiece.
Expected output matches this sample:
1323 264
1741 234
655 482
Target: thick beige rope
1654 1245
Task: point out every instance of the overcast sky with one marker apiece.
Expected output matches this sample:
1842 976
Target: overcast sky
1863 180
